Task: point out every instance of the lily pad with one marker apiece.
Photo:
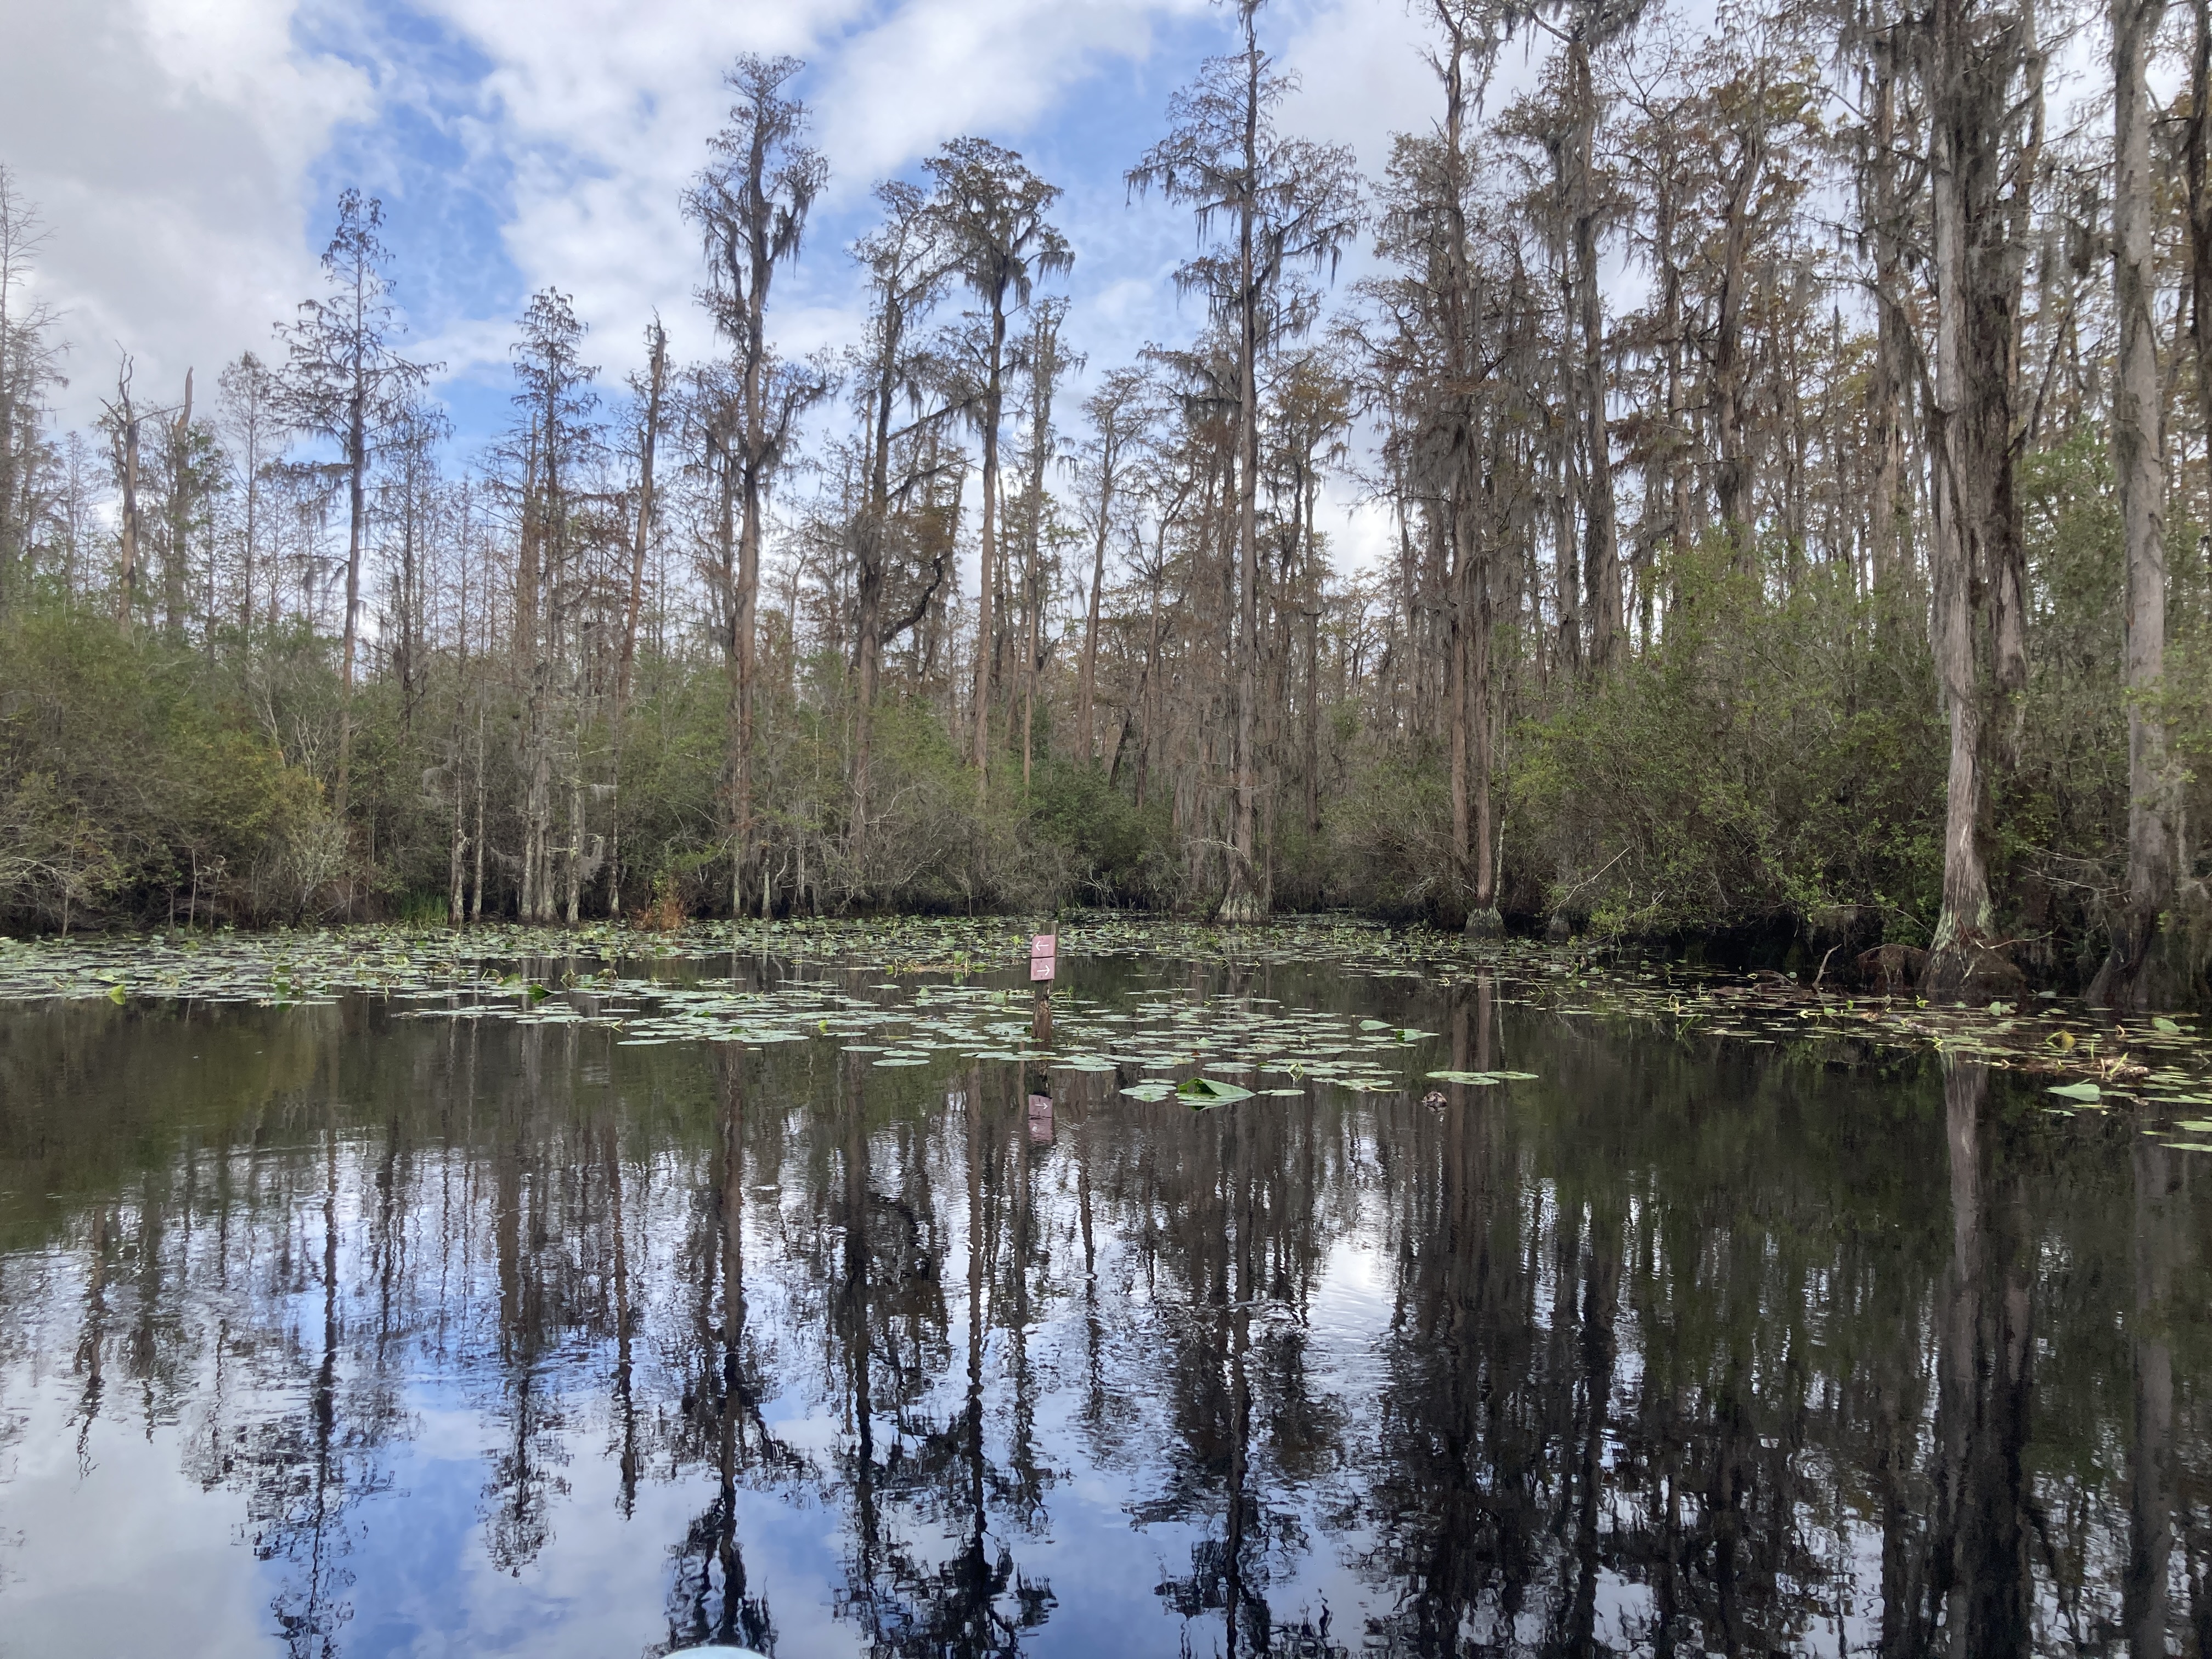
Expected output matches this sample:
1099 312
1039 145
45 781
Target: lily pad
1205 1091
2088 1093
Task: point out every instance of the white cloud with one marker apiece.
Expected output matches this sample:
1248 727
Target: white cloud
936 69
167 142
170 143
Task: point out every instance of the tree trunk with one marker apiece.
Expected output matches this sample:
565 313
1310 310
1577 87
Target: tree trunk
127 532
1087 684
1601 553
356 521
987 568
1975 554
655 387
2129 979
2145 1597
1732 480
745 653
1242 902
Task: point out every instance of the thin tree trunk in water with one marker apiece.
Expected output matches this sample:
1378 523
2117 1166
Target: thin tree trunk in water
746 650
357 513
1987 1348
1886 387
1313 714
1601 556
456 871
180 518
868 586
1974 550
986 569
1149 681
2128 978
2197 167
2146 1598
575 833
1087 685
726 581
1455 630
1031 605
1242 902
1566 574
1732 480
126 589
476 890
654 387
1482 917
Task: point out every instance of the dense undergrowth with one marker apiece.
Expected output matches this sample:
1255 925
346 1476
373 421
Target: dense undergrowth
1763 782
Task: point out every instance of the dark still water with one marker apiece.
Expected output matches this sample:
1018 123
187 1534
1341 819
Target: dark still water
330 1330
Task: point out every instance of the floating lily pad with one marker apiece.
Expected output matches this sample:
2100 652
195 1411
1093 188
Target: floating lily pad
1205 1091
1150 1091
2088 1093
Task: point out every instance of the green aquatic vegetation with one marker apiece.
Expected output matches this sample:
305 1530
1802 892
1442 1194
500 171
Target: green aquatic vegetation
1153 1091
1206 1092
911 989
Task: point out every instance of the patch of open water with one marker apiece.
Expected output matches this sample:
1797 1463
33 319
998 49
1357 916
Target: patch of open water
824 1308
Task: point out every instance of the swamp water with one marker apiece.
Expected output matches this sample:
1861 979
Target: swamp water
359 1300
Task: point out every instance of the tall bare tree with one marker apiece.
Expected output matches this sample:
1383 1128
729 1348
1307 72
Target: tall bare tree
249 396
651 416
1973 64
992 208
2139 465
750 204
1121 416
1290 201
29 365
345 383
905 258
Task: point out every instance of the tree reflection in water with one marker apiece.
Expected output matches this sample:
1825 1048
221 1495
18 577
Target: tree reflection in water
1683 1348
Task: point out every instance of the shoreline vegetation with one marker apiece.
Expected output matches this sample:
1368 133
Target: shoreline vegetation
1831 598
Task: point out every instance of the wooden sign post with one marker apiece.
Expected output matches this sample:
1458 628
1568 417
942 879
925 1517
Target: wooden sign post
1043 953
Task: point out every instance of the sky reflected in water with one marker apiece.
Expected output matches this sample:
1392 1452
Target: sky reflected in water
325 1332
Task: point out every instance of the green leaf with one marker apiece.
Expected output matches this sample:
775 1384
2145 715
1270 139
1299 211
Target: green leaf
1154 1091
2164 1027
1472 1077
115 993
1205 1091
2081 1091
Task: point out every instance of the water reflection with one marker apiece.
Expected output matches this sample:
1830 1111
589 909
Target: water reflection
359 1335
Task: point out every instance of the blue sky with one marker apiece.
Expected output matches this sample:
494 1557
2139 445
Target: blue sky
187 154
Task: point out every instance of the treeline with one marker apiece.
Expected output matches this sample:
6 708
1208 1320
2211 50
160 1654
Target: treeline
1796 442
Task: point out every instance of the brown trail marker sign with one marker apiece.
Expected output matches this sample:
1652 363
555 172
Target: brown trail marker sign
1043 949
